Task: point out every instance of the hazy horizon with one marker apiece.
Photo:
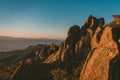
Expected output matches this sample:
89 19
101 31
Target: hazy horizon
8 43
50 18
29 37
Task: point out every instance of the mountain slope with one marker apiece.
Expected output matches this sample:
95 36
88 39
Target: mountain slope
90 52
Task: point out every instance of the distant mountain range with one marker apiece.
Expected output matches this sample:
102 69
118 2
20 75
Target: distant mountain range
11 43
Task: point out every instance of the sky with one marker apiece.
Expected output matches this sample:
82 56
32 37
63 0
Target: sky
50 18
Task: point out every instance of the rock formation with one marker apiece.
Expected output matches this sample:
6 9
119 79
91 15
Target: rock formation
68 47
105 48
78 40
47 51
90 52
117 19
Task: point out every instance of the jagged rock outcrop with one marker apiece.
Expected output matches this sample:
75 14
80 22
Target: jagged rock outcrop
77 43
93 49
70 42
91 24
47 51
68 47
105 47
116 19
83 46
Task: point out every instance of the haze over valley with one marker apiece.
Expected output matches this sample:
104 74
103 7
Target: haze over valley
11 43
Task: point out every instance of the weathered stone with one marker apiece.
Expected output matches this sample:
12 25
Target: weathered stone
117 19
97 66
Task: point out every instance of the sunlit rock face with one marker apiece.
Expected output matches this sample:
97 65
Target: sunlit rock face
103 60
77 44
117 19
67 48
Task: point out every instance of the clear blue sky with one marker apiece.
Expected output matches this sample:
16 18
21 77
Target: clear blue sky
50 18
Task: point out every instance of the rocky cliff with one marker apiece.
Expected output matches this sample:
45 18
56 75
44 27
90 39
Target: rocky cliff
98 59
101 58
90 52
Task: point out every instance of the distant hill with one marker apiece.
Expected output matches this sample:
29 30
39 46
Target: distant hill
18 55
11 43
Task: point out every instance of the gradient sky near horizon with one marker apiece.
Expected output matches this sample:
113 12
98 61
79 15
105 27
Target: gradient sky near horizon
50 18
